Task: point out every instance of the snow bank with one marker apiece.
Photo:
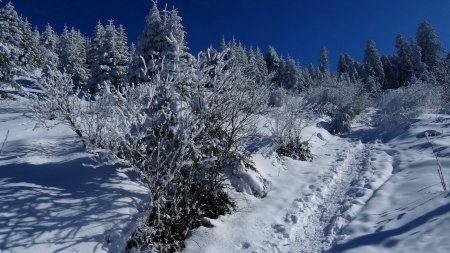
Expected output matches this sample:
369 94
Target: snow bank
410 213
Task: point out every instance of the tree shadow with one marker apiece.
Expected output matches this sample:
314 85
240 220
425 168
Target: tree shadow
59 205
386 236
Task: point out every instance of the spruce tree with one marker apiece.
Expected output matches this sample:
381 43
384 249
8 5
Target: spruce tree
149 50
109 56
274 66
419 67
373 66
430 46
49 42
404 66
49 38
73 57
16 33
263 72
347 68
291 77
324 65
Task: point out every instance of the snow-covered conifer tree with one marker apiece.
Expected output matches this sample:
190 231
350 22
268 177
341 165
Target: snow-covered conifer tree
49 38
73 57
16 33
291 77
347 68
405 66
274 63
373 65
391 72
324 65
49 42
430 46
149 49
419 67
109 56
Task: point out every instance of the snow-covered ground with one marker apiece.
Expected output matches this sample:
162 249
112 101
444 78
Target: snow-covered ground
360 194
53 197
365 194
411 212
307 203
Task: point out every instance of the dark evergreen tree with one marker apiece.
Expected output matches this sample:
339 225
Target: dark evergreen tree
373 66
16 33
324 65
430 46
73 56
405 68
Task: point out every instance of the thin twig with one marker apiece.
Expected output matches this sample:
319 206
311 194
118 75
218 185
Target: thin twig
439 169
4 141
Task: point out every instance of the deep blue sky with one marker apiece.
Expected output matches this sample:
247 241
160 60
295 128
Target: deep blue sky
298 28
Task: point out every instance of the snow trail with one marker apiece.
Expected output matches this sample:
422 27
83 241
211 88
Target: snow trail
309 204
322 212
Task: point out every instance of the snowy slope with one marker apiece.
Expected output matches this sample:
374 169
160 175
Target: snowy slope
53 197
410 213
307 203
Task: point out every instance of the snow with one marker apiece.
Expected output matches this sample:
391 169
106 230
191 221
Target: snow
362 193
54 197
306 204
410 213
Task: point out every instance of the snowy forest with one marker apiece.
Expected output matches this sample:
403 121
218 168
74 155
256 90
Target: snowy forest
233 131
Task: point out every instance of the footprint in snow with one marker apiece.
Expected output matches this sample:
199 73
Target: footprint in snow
245 245
291 219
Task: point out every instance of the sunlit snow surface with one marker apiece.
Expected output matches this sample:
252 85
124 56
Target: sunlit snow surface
53 197
410 213
362 193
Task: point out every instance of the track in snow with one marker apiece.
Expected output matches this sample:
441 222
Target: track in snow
322 213
316 219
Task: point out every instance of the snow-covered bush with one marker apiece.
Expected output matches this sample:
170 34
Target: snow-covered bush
287 128
179 140
341 100
340 122
59 102
276 98
398 107
192 140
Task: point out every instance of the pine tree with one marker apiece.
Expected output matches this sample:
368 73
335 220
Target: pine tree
373 66
109 56
347 68
5 64
73 57
391 72
428 41
161 49
49 38
122 56
149 49
291 77
324 65
273 60
274 66
404 64
33 54
95 49
263 77
49 41
16 33
416 58
177 61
